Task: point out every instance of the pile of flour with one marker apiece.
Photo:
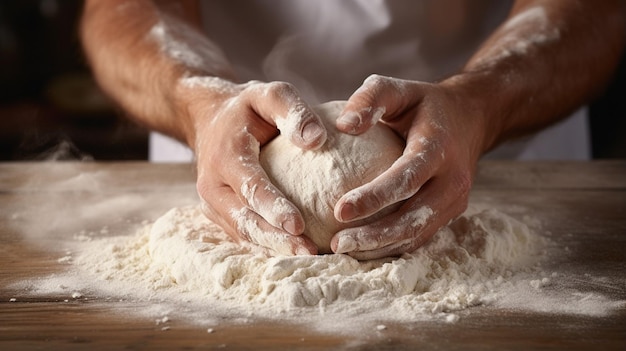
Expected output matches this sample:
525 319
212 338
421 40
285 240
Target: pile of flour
182 256
183 268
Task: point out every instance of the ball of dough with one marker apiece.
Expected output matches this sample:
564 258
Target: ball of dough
314 180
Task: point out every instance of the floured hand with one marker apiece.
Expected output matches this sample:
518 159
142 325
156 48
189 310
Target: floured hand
432 178
231 123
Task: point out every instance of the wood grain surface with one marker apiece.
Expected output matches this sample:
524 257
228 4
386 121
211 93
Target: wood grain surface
581 204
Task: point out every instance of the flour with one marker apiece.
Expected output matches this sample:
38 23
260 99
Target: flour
184 256
535 16
186 46
216 84
182 267
289 124
528 31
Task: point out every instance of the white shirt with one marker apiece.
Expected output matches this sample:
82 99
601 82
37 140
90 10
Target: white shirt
326 48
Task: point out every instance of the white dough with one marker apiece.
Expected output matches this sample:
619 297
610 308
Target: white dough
315 180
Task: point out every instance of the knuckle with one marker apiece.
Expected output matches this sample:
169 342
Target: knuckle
243 224
410 181
376 80
204 188
376 200
248 191
370 88
279 90
461 186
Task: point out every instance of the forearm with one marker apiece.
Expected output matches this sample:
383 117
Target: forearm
139 52
547 59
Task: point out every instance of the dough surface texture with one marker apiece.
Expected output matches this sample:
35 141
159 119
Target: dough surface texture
315 179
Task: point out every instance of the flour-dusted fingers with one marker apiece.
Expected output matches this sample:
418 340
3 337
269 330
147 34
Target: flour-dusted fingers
228 138
242 172
241 223
430 182
280 103
262 197
411 226
232 159
419 162
377 98
401 181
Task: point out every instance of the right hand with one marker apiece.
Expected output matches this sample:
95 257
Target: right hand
228 124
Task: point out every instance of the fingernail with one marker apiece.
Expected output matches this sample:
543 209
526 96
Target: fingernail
290 227
345 244
378 113
312 132
347 212
349 120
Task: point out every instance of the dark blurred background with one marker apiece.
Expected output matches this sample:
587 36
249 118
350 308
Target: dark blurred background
50 107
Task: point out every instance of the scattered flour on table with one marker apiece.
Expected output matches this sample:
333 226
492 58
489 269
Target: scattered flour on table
184 266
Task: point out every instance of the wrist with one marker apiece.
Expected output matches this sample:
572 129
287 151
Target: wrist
198 100
485 102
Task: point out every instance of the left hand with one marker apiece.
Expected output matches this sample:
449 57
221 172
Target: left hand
444 136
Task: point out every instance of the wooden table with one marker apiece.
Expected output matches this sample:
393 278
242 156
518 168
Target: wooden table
583 204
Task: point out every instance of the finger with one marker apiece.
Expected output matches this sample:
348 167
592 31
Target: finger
281 104
392 230
440 200
242 223
401 181
256 190
376 98
392 250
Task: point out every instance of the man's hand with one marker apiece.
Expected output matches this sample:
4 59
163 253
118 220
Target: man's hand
230 124
433 176
544 61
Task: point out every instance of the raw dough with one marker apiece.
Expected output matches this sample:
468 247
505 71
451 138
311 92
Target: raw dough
315 180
